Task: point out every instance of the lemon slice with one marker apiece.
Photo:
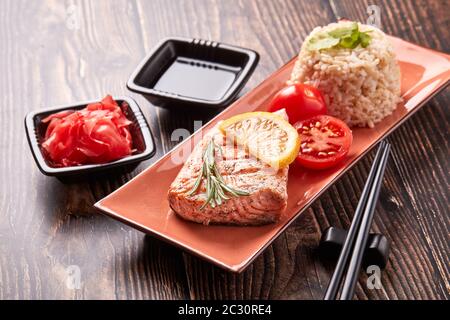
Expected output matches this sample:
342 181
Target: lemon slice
266 135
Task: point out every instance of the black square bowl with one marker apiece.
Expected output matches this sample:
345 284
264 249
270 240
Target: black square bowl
184 71
142 140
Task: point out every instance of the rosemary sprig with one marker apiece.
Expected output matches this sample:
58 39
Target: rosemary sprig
217 191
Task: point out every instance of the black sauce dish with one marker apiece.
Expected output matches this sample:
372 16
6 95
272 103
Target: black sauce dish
143 142
193 72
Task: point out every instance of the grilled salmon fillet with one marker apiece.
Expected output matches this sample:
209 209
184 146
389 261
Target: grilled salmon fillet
267 197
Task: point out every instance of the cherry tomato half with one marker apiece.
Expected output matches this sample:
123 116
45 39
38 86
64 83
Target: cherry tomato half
301 102
325 141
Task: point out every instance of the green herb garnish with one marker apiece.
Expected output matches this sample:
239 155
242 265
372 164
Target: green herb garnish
216 189
365 39
324 43
348 37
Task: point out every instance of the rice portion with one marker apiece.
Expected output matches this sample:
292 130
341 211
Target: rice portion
361 86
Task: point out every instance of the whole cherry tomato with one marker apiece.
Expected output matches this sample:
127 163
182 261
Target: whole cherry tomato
301 102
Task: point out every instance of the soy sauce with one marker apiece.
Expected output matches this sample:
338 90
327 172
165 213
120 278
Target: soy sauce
197 79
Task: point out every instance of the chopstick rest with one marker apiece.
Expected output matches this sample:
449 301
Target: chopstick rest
376 252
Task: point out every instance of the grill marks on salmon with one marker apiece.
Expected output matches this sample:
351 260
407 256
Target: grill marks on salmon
267 197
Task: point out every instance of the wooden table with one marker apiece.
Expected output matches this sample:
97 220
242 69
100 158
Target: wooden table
57 52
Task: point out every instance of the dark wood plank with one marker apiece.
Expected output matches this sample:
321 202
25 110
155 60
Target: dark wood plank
47 225
416 184
290 268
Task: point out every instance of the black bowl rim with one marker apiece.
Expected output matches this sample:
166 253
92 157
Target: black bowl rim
238 84
148 152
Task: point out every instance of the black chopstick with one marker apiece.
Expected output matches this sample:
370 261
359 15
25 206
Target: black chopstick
336 279
348 288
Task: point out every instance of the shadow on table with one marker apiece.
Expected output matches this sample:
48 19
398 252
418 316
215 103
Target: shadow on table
76 196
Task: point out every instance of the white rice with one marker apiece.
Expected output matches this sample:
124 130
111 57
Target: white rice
361 86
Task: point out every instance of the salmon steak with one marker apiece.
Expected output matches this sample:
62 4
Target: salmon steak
265 187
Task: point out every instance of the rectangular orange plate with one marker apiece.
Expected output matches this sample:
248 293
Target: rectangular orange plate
142 202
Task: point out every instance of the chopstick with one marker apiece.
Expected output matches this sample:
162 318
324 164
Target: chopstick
349 285
356 240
